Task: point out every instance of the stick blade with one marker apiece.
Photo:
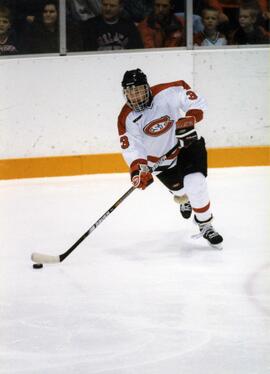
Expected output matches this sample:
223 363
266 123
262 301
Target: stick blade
41 258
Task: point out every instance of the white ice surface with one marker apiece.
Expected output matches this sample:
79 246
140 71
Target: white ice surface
138 296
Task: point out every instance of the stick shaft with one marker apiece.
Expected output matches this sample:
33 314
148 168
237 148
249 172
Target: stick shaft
43 258
96 224
47 259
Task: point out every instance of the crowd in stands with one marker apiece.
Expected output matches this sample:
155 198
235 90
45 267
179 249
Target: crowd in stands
32 26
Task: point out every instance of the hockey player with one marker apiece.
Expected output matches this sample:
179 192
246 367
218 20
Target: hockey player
149 125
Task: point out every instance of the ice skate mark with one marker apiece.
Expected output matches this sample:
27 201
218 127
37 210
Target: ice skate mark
260 298
36 141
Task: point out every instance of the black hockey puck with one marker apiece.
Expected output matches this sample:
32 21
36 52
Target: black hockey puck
37 266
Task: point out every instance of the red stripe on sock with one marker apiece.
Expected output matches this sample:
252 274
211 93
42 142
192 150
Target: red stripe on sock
203 209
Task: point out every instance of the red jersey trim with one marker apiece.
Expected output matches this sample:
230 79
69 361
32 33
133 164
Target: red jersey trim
122 119
163 86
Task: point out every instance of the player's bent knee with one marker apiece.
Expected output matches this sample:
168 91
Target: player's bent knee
195 183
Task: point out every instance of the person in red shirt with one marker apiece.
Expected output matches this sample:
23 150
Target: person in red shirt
162 28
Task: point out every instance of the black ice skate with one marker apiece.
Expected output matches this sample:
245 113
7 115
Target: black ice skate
208 232
185 206
186 210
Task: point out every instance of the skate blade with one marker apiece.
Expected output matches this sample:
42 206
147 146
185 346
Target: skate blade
217 246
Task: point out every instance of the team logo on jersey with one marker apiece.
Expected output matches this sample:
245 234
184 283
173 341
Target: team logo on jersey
158 126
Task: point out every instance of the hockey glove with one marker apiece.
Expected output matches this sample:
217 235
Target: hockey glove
140 174
185 131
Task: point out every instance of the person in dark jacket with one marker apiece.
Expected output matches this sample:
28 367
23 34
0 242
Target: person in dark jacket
43 35
249 32
8 43
111 31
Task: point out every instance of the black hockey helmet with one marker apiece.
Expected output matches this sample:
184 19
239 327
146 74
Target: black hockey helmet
134 78
138 98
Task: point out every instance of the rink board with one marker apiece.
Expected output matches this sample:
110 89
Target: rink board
114 163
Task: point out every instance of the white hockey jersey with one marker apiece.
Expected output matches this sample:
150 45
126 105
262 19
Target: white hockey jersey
150 134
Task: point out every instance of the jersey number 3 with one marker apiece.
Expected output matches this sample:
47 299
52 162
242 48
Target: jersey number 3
191 95
124 142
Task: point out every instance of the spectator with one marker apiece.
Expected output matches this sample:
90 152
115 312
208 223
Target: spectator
7 36
249 32
198 6
263 8
231 8
266 20
43 36
137 10
110 30
79 12
210 36
24 11
162 28
83 10
180 11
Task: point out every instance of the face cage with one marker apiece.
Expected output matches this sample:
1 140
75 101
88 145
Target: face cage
137 97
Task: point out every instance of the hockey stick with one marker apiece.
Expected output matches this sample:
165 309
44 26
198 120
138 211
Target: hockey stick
49 259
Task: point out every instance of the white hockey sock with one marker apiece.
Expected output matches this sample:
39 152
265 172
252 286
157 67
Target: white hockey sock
196 188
